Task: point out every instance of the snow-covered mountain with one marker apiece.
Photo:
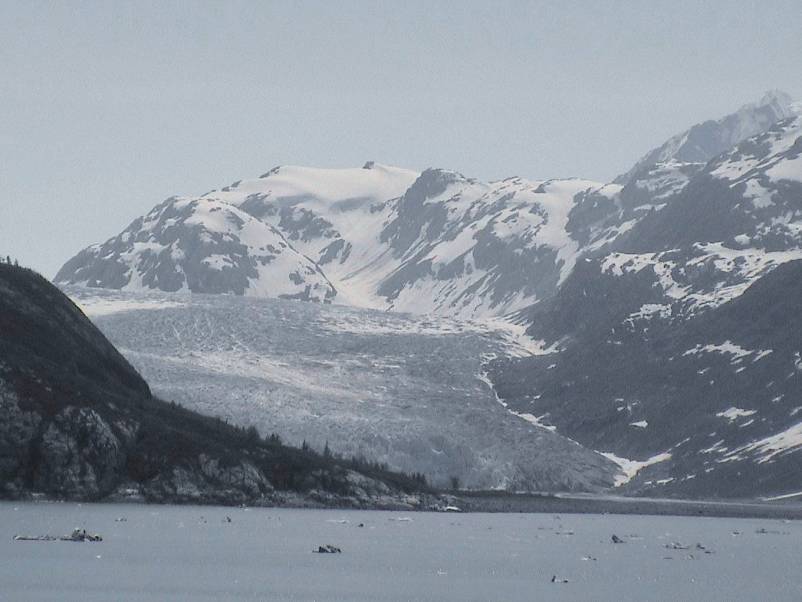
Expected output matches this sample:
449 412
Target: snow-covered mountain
270 236
703 406
675 347
200 245
333 216
641 294
738 218
461 247
389 238
378 237
703 141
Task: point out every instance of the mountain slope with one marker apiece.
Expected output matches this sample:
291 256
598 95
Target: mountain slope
467 248
677 341
200 245
334 216
713 401
736 220
77 421
625 286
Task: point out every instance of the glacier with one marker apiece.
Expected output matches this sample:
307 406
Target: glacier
401 389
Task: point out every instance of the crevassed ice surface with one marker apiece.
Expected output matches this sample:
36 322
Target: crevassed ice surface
169 553
401 389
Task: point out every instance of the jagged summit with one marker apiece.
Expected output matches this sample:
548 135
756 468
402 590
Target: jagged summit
705 140
783 101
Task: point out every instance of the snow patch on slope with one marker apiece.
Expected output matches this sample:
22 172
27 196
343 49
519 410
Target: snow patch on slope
630 468
734 413
734 350
768 448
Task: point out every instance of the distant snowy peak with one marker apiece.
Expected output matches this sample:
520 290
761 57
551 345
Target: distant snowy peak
735 221
200 245
276 232
327 214
706 140
468 248
334 190
376 236
440 242
659 177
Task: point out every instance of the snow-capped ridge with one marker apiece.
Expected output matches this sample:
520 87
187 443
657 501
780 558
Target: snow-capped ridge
441 242
705 140
199 245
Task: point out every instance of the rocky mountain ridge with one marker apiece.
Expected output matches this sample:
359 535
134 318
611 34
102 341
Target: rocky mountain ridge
675 348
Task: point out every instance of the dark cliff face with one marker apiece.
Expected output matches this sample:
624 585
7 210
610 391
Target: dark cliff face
78 422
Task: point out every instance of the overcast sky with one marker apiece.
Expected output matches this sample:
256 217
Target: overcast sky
109 107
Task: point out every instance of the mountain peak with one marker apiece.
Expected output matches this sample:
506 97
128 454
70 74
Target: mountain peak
708 139
776 97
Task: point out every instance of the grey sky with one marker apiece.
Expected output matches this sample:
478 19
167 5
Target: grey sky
109 107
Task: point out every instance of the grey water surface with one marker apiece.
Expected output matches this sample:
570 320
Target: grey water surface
194 553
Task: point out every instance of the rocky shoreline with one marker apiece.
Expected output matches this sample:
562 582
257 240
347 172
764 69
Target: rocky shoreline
464 502
277 499
559 503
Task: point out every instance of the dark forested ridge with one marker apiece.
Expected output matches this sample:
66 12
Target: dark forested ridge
78 422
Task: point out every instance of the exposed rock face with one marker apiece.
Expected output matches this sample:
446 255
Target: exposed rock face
707 405
76 454
365 487
674 350
243 475
79 455
210 480
17 430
